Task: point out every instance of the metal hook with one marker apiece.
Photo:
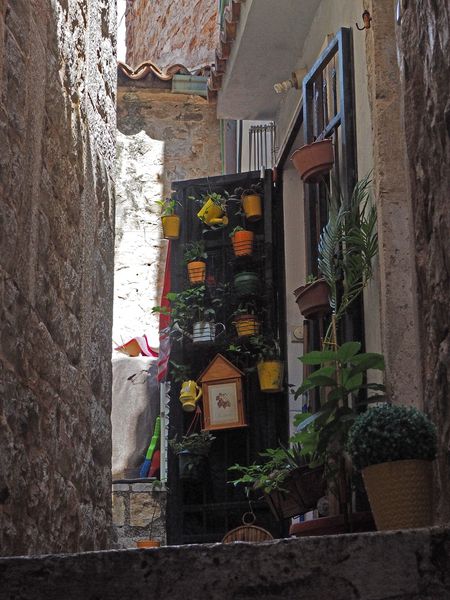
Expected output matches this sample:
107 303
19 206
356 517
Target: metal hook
366 20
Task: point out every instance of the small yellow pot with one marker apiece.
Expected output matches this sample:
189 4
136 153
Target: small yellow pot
252 207
210 213
270 375
171 227
196 271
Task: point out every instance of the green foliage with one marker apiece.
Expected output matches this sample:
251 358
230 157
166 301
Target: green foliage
266 348
348 245
236 229
388 432
310 279
167 206
340 376
195 251
278 463
178 372
197 443
191 305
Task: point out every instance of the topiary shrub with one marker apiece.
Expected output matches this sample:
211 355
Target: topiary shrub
386 433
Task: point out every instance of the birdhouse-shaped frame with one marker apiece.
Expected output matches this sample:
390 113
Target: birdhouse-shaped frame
223 403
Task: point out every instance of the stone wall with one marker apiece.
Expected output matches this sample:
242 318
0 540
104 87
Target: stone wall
397 279
57 153
163 138
139 513
168 32
400 565
423 36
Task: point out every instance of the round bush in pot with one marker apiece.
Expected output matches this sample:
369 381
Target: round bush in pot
394 447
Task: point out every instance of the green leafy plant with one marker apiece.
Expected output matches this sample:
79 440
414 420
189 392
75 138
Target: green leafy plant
277 463
178 372
347 247
310 279
389 432
266 348
236 229
167 206
195 251
197 443
189 306
340 379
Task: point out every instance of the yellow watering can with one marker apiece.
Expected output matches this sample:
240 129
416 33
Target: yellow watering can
190 393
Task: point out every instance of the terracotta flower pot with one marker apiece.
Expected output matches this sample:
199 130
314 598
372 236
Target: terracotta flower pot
243 243
314 160
196 271
360 521
148 543
400 493
171 227
313 299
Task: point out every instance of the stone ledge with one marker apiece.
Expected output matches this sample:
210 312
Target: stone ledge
405 565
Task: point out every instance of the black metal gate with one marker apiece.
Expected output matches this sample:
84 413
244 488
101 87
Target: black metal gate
204 512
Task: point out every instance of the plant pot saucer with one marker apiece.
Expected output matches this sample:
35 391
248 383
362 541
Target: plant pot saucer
361 521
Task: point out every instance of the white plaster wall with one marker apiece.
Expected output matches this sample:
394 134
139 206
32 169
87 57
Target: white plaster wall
138 246
329 18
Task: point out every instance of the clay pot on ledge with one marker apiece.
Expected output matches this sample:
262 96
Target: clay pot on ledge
313 299
314 160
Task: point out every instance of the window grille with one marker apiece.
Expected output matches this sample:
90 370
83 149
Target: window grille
261 145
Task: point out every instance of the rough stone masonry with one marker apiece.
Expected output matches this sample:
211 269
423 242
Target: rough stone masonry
57 153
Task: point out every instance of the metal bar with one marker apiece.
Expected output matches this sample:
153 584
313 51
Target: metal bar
347 111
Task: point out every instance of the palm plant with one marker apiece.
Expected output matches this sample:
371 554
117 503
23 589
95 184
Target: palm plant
347 247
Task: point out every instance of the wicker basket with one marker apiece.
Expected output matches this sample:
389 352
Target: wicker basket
247 532
400 493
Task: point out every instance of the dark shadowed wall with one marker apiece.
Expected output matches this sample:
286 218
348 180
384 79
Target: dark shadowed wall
424 41
57 150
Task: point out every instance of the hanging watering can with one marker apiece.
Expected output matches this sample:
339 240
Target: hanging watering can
190 393
206 332
212 214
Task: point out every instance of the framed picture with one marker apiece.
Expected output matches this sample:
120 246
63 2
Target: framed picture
222 404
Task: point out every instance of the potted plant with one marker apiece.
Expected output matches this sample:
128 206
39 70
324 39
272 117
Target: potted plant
170 221
192 309
242 240
246 283
157 505
195 257
245 320
288 476
347 247
269 366
192 451
313 298
213 210
314 160
341 378
394 446
251 203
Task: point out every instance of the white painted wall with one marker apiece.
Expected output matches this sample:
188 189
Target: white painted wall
329 17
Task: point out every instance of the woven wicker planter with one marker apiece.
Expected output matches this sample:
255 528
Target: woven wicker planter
314 160
400 493
304 488
313 299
